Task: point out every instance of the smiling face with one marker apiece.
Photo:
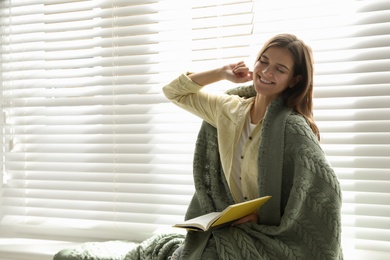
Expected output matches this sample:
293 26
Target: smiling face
274 72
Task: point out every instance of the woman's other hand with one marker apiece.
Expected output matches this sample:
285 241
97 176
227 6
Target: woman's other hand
254 217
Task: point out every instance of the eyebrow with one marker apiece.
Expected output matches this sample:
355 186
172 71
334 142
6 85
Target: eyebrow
279 64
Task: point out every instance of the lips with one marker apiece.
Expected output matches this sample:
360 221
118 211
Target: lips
265 81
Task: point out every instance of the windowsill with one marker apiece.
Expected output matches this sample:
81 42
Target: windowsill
12 248
31 249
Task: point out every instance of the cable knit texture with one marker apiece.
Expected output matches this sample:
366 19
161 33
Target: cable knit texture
301 220
158 247
110 250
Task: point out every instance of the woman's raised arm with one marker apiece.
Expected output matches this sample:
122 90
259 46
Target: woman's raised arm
235 72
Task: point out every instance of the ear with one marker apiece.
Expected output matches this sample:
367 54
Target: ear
295 81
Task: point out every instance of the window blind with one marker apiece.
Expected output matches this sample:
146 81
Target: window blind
89 146
92 150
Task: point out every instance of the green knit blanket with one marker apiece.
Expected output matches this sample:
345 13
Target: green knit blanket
302 219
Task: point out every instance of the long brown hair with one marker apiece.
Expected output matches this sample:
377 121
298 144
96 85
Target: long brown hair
299 97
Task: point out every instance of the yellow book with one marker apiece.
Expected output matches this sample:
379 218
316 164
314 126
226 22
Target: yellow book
218 219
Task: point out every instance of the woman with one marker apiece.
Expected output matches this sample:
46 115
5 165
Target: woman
267 144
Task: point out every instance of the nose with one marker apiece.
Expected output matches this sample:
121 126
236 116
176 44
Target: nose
266 71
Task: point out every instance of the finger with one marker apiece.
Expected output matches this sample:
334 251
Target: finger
236 223
251 75
239 64
241 71
241 221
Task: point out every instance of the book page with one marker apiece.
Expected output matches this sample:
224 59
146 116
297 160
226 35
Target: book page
202 222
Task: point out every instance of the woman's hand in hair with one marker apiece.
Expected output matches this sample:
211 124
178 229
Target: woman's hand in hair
238 72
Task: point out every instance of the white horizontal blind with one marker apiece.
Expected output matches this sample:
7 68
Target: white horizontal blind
91 144
92 149
221 32
351 45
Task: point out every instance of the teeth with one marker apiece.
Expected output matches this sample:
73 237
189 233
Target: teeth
265 81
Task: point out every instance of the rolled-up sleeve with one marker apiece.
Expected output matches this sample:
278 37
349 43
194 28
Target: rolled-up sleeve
188 95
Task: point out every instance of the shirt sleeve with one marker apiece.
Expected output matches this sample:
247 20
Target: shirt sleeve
188 95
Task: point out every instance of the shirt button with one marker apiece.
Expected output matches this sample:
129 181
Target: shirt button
242 156
245 198
250 137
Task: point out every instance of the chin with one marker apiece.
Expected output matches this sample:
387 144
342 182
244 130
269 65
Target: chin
263 90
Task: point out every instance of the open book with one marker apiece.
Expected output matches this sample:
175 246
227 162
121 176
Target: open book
218 219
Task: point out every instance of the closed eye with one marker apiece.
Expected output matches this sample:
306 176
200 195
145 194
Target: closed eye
263 62
280 67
